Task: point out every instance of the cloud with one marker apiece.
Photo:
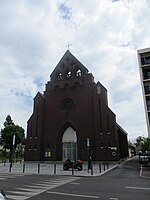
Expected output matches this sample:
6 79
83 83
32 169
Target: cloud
105 36
114 1
65 11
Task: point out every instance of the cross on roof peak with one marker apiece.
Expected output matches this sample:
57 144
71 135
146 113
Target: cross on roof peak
68 45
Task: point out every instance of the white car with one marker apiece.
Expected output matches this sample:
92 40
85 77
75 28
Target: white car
2 195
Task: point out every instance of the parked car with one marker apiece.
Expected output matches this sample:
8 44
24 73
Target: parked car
144 159
2 195
73 165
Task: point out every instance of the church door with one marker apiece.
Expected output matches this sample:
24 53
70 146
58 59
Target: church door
69 142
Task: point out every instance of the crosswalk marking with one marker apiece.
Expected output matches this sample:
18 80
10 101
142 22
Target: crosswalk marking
73 195
36 188
9 176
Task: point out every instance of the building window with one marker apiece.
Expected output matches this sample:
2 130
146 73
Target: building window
100 118
48 154
59 77
147 75
67 105
69 142
37 118
108 128
69 74
147 89
78 73
69 151
30 130
148 104
145 60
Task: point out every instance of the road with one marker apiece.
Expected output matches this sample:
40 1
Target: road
122 183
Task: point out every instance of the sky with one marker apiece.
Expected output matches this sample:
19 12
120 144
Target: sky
104 35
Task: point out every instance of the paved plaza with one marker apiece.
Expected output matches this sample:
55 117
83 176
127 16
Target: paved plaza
55 168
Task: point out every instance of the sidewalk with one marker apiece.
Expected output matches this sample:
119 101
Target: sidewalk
56 169
145 172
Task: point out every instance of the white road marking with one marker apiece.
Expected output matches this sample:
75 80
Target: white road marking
113 198
75 183
10 176
36 188
137 188
73 195
141 171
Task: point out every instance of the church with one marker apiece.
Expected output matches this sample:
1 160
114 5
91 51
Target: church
72 119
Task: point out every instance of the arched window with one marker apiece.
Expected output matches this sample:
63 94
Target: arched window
69 141
69 74
59 77
78 73
67 105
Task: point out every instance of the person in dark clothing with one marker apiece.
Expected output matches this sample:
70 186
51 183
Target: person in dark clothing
90 164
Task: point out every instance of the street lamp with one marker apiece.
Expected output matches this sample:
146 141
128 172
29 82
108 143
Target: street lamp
12 151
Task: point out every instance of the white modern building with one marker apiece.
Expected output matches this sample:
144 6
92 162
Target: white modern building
144 67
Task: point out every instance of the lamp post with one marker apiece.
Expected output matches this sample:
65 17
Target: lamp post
12 151
4 153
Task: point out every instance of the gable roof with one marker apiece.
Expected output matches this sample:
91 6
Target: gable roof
68 60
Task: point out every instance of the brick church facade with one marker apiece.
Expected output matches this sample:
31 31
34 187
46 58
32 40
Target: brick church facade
71 119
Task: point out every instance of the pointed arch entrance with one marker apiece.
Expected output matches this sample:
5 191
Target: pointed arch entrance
69 141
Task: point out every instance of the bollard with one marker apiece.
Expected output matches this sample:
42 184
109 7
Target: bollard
23 167
55 168
107 165
92 170
38 168
4 162
104 166
100 169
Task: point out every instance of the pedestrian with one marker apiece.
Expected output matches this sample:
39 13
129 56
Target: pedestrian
90 164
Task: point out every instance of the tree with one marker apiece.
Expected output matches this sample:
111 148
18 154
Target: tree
143 144
8 121
8 134
146 145
138 143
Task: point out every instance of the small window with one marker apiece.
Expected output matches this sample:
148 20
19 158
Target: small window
78 73
69 74
59 77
